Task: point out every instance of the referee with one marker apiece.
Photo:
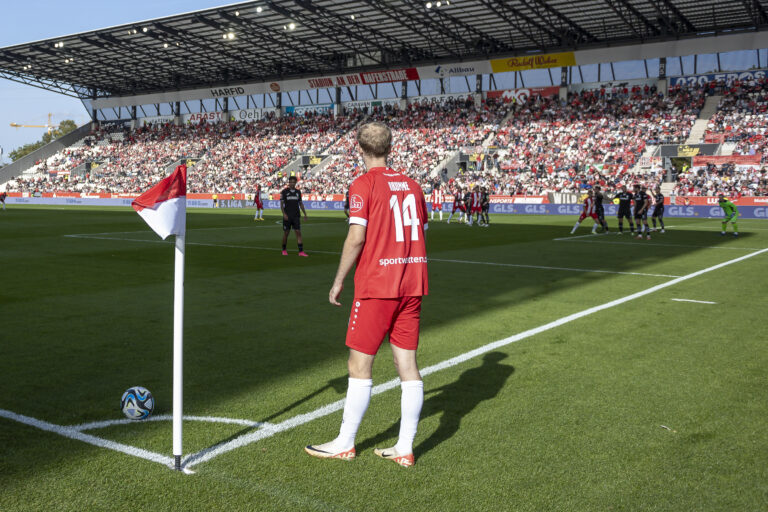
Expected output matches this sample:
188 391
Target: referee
290 203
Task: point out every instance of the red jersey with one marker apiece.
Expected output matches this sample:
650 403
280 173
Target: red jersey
477 198
437 197
589 206
393 262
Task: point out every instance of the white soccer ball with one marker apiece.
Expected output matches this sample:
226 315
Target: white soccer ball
137 403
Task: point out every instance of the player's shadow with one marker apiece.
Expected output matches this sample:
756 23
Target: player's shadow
453 402
338 384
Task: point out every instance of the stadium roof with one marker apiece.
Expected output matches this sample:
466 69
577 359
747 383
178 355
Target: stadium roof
281 39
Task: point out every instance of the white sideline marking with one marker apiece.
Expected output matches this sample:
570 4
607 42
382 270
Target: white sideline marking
641 243
196 229
551 268
87 438
696 301
580 236
246 439
93 425
229 246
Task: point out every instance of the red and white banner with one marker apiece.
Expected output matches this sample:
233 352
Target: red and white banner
521 95
729 159
164 206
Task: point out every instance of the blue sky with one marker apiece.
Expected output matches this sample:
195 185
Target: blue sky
32 20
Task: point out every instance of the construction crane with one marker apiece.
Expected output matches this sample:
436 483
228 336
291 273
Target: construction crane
49 125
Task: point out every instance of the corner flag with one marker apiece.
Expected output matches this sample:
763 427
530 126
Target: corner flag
164 208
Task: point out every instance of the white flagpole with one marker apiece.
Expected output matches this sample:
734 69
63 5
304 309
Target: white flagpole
178 349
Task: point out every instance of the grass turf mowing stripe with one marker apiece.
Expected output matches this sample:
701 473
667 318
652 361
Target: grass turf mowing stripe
263 433
642 243
441 260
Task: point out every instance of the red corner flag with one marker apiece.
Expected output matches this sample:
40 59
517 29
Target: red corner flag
164 206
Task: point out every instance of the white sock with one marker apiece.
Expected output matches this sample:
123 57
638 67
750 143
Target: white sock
412 398
261 214
358 398
594 228
575 227
441 214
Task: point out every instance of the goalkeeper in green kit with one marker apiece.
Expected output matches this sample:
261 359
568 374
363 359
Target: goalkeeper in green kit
731 215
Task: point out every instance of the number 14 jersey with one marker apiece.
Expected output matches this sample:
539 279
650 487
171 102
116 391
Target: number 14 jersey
393 262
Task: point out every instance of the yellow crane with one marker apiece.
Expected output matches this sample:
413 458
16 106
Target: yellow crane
49 125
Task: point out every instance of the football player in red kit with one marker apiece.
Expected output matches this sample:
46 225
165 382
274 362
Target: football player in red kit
590 210
437 202
458 204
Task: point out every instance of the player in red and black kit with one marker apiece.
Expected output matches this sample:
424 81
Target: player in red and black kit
258 204
3 196
458 204
590 210
476 208
386 242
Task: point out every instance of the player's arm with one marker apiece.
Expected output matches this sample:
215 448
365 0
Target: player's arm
353 245
735 210
282 206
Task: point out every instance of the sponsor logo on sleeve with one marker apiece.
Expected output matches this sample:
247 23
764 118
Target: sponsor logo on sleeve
355 203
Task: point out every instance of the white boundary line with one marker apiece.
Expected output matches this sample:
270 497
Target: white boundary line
441 260
93 425
72 433
642 243
551 268
696 301
246 439
268 430
197 229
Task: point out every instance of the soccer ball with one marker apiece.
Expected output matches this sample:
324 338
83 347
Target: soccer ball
137 403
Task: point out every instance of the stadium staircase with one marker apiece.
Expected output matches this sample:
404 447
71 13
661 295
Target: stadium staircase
700 126
452 157
28 163
492 136
667 188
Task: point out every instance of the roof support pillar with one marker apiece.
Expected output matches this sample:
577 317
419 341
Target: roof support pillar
663 83
338 108
478 90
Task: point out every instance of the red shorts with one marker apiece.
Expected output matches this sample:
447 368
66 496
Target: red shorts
458 207
372 319
585 215
259 204
437 206
477 209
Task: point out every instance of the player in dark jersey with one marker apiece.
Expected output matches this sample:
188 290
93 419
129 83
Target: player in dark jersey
290 204
346 205
625 209
599 209
658 209
486 204
2 199
468 205
642 202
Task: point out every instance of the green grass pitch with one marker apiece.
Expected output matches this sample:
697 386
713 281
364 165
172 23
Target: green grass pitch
651 404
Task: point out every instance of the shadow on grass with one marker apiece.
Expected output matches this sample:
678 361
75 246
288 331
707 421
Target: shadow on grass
452 402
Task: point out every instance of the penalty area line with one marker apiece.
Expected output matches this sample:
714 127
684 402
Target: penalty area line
269 431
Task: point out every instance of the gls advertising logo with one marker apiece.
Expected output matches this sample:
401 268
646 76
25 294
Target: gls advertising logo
681 211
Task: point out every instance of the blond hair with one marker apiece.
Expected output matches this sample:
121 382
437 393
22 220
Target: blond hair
375 139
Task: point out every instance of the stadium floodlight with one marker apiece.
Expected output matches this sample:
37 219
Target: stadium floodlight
135 31
292 26
438 4
237 13
352 17
231 36
429 5
259 9
165 45
144 29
